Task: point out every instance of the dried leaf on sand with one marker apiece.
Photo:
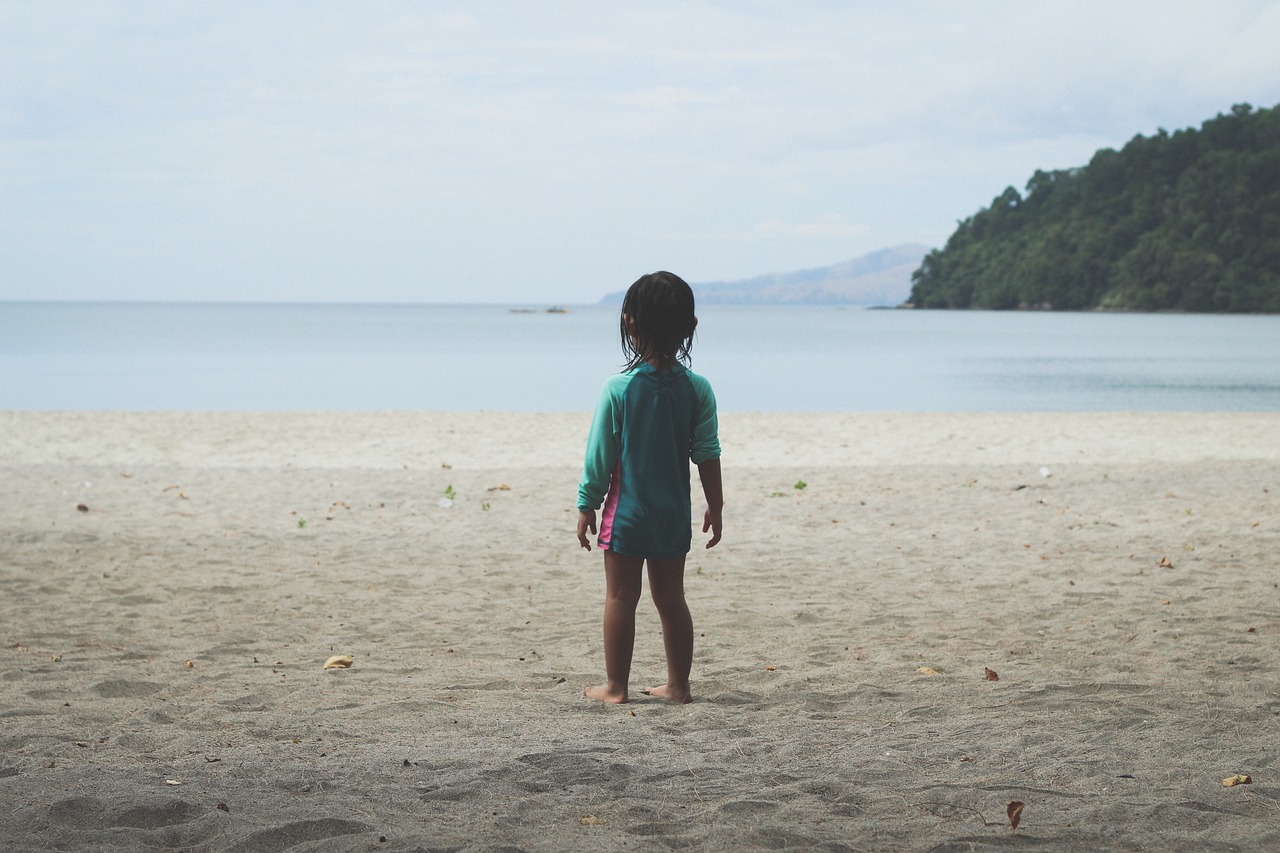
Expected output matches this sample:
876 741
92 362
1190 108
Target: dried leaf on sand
1014 810
338 662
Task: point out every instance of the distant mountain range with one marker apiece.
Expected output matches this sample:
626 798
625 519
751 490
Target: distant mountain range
880 278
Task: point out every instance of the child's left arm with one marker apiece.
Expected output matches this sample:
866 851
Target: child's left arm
603 446
586 521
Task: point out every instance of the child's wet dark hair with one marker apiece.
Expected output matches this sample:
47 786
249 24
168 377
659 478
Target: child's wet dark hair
660 305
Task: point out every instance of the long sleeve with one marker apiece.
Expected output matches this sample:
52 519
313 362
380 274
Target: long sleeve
705 440
604 443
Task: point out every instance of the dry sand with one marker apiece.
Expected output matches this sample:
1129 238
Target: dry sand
162 685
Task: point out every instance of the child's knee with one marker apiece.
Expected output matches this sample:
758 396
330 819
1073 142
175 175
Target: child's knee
629 596
668 601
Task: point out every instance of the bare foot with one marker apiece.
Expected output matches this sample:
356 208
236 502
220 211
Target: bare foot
679 695
605 694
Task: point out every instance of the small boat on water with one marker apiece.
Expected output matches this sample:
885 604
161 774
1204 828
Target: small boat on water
554 309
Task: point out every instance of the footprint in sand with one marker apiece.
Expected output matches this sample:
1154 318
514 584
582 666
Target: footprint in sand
92 813
301 832
123 689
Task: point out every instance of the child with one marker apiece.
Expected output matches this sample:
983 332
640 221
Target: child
652 420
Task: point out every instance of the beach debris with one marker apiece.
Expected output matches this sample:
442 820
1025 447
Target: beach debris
189 664
592 820
927 670
992 675
770 668
631 712
82 507
1238 779
172 782
339 662
1014 810
1045 472
1165 563
223 807
501 487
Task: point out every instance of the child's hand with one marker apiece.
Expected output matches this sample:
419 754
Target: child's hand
711 521
586 521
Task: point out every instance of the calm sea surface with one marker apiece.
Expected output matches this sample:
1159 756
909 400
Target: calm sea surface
759 358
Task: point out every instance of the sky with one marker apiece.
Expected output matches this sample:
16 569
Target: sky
552 152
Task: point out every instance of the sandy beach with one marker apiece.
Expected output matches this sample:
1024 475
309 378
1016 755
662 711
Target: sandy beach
1078 612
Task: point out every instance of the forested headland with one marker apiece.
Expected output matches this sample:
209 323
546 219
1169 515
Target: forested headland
1183 221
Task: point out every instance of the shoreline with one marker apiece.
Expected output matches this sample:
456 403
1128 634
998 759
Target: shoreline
389 440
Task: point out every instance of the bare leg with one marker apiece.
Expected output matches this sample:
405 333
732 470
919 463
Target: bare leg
666 585
622 576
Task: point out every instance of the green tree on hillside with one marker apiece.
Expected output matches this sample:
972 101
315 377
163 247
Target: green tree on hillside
1184 221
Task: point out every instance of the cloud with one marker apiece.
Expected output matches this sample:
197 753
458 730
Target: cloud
495 149
827 227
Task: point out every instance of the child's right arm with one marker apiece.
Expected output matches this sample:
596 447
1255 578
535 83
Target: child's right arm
713 489
704 451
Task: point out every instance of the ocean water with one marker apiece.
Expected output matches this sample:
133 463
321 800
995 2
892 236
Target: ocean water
240 357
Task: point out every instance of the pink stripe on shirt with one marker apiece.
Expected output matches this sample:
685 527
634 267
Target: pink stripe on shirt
609 510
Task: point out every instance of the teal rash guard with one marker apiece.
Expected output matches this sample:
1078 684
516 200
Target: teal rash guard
648 426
